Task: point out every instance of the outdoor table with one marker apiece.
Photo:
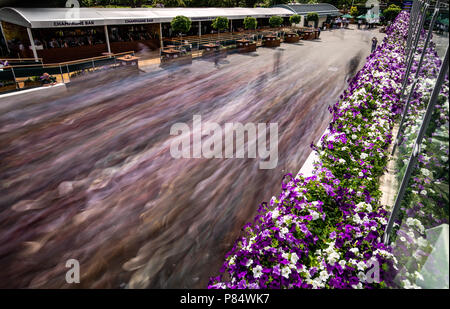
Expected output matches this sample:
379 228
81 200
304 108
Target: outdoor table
128 61
271 41
174 56
210 46
307 34
170 53
291 38
245 46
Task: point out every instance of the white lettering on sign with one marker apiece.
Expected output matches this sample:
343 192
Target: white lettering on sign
73 23
139 20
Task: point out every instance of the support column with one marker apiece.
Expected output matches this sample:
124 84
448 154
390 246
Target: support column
160 39
33 47
199 28
107 40
3 33
231 25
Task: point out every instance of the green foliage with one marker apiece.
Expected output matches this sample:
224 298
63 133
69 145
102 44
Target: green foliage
248 3
295 19
312 16
181 24
391 12
250 23
354 11
275 2
344 3
275 21
117 3
220 23
172 3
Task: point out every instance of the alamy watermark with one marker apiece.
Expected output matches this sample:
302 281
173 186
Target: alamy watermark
209 140
73 274
372 274
73 13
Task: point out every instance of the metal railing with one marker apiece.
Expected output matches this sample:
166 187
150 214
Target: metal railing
15 72
416 26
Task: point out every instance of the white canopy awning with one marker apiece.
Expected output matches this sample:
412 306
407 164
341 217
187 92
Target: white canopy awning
81 17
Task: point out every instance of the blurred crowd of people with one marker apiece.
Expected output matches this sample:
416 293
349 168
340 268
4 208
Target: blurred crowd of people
59 39
340 23
68 42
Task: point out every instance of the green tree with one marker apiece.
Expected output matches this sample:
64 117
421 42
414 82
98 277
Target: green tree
313 16
295 19
181 24
344 4
391 12
171 3
250 23
220 23
248 3
275 2
275 21
354 11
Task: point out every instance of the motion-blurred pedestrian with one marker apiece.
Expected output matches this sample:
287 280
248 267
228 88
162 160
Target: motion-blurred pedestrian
276 62
374 44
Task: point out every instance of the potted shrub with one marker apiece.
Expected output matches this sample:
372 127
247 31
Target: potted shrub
220 23
295 19
275 21
273 40
7 85
291 36
313 16
32 82
245 45
180 24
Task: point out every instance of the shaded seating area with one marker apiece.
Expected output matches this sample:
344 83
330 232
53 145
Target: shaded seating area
28 75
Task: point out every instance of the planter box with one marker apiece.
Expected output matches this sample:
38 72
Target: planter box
309 35
128 61
7 88
32 84
271 41
175 58
245 46
209 49
291 38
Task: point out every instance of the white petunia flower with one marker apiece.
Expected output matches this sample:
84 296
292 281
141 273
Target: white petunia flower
257 271
275 214
285 272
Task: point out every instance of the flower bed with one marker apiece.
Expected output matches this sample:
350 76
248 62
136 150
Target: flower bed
324 231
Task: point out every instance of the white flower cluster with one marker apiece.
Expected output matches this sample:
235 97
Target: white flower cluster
412 222
362 206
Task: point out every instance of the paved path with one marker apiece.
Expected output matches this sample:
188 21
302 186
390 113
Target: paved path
89 175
